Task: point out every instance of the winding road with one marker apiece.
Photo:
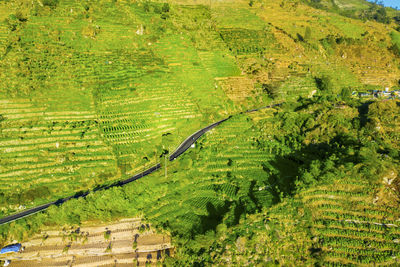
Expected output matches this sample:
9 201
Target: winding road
185 145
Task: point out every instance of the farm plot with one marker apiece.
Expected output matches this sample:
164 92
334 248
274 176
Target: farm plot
128 241
167 100
239 156
187 201
3 38
242 91
245 41
350 227
128 121
113 72
297 85
48 154
240 16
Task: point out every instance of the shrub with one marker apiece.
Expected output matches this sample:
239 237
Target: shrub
50 3
107 235
165 8
346 93
12 22
146 7
324 83
157 9
21 16
90 31
271 89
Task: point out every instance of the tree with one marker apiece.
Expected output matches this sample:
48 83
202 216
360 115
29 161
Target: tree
146 6
324 83
271 89
50 3
165 8
346 93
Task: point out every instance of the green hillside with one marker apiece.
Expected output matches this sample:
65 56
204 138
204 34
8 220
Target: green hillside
93 92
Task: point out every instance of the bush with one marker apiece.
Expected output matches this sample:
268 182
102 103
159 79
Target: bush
157 9
12 22
146 7
346 93
90 31
271 89
165 8
21 16
107 235
50 3
324 83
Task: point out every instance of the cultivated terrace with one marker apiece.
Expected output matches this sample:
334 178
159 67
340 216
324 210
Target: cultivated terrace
93 92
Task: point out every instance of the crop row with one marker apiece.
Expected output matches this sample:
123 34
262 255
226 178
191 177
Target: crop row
358 242
41 146
335 193
344 259
245 41
368 211
356 233
349 225
363 216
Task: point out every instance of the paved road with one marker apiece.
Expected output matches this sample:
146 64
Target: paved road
185 145
192 139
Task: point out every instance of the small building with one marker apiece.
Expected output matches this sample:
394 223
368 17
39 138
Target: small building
363 94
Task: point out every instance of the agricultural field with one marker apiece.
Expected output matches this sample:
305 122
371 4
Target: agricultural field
351 226
126 242
92 102
94 92
133 84
47 153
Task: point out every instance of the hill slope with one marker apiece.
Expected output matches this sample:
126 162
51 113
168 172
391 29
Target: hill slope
93 92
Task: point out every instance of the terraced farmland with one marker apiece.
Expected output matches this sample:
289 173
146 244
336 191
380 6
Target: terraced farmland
187 202
101 98
350 227
95 91
45 152
159 103
127 242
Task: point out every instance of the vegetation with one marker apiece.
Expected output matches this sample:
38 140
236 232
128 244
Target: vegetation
95 92
358 9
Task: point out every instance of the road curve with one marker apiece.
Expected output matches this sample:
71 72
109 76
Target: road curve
185 145
192 139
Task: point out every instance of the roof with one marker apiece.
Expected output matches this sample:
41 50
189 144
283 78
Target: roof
11 248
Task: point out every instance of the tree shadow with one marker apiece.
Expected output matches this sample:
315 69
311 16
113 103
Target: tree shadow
214 217
363 112
287 169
